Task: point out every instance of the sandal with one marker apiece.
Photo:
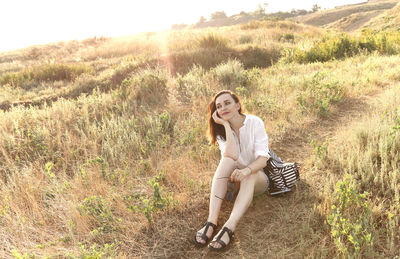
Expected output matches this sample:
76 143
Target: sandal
204 234
219 241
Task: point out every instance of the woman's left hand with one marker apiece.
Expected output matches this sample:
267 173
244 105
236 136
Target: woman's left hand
239 174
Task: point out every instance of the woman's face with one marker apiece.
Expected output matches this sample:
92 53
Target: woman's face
227 108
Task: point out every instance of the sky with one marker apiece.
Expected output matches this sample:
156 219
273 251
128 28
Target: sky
30 22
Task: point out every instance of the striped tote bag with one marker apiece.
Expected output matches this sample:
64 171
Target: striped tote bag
282 176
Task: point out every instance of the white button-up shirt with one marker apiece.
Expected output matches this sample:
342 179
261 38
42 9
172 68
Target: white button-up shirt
253 141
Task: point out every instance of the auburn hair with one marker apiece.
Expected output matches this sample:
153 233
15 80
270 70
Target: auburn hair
215 129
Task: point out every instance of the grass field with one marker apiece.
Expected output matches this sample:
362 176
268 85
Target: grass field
104 151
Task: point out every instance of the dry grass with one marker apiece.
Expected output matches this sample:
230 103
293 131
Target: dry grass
326 18
388 20
93 167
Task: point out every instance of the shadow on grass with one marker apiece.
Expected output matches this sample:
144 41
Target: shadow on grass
282 226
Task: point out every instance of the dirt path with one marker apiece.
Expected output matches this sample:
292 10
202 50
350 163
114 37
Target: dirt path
291 230
355 25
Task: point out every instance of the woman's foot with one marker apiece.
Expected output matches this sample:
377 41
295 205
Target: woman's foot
204 234
222 239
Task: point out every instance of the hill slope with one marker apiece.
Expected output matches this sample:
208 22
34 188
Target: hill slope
390 19
348 17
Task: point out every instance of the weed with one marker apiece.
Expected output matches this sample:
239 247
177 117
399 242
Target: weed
158 201
320 150
99 209
319 95
95 252
18 255
5 207
49 173
351 221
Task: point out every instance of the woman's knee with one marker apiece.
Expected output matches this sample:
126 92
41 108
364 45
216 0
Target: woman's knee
225 167
249 180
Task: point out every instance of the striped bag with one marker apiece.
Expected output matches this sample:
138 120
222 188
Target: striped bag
282 176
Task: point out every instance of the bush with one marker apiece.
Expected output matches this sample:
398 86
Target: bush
333 47
318 96
99 209
212 41
131 139
150 88
181 62
231 74
254 56
191 85
45 73
158 201
351 221
244 39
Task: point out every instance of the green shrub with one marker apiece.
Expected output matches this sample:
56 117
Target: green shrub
30 77
332 46
99 209
158 201
289 37
28 145
132 139
230 74
95 252
122 72
255 56
318 95
150 88
191 85
85 84
351 221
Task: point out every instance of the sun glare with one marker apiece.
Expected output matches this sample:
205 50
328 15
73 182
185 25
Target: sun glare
44 21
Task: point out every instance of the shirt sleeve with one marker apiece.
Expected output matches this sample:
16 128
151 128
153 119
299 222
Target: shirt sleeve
260 140
222 145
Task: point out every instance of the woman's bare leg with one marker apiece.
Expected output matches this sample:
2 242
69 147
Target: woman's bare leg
218 191
250 185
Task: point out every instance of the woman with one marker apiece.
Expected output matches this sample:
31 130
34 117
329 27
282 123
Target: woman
244 153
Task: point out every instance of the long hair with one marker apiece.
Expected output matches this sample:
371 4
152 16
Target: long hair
215 129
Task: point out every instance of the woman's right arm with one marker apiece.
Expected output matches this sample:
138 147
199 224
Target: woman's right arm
231 149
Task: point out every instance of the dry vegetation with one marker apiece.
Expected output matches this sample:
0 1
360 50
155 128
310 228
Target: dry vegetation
348 17
389 20
103 147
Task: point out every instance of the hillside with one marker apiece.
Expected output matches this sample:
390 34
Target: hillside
349 17
388 20
104 150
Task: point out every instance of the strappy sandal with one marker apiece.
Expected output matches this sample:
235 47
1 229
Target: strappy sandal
204 234
219 241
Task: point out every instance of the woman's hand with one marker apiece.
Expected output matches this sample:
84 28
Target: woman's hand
239 174
217 119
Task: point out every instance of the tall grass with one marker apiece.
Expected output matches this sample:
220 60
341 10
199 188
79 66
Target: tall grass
364 212
48 72
122 158
333 46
